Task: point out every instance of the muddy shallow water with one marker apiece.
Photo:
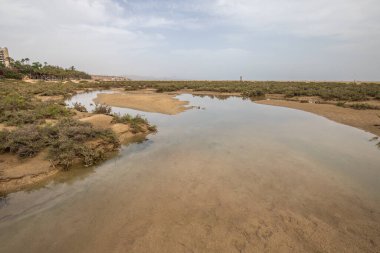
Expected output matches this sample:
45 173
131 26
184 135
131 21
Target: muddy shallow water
233 176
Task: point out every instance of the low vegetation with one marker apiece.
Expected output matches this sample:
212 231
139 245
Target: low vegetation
136 123
102 109
67 140
79 107
358 106
332 91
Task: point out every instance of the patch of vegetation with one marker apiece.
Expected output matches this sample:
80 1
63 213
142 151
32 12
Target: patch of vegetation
358 106
332 91
136 123
79 107
37 113
363 106
26 141
14 102
70 140
67 141
152 128
102 109
253 93
51 110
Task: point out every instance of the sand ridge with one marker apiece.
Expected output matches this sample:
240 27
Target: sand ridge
147 102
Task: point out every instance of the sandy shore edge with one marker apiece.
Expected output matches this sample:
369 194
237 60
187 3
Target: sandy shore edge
367 120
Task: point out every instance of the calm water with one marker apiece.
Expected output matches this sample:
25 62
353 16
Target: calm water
233 176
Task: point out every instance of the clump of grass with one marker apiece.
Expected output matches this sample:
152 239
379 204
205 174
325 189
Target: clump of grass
79 107
136 123
152 128
102 109
126 118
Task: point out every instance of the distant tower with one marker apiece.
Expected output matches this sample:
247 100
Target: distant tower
4 57
241 78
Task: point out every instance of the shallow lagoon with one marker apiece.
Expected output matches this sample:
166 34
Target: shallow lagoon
232 176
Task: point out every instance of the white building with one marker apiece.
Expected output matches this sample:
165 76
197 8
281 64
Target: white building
4 56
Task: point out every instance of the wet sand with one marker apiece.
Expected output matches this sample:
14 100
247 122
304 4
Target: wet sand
368 120
147 102
17 174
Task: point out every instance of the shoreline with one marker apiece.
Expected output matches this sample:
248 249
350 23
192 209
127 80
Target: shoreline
151 101
367 120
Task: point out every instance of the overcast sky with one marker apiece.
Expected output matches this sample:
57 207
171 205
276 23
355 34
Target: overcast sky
199 39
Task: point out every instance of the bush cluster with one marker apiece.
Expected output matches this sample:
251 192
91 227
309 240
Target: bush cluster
66 141
135 123
79 107
36 113
102 109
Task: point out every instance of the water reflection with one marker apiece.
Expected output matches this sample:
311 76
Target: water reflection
235 174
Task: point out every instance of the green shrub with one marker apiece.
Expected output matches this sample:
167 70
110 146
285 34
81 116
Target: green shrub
125 119
51 110
79 107
19 118
152 128
26 141
136 123
66 141
14 102
102 109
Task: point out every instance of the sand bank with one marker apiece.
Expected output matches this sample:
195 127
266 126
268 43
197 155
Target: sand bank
17 173
147 102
